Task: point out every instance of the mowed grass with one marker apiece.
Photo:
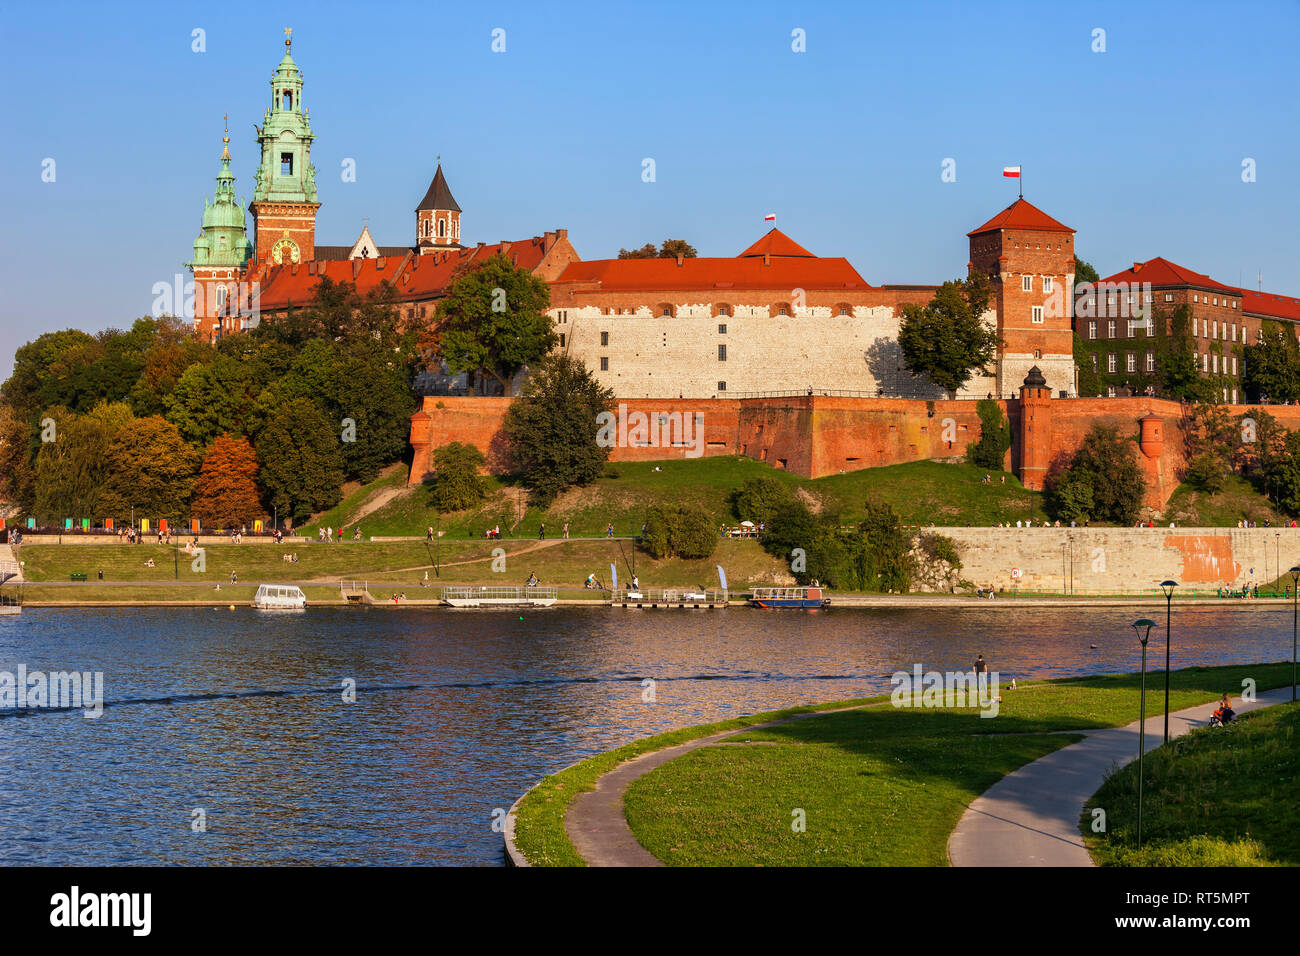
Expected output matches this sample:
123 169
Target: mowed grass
1238 500
885 785
922 493
556 563
1216 797
92 593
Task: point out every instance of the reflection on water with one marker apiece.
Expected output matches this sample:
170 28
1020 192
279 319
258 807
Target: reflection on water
240 713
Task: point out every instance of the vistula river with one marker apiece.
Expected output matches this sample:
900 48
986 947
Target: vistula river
239 713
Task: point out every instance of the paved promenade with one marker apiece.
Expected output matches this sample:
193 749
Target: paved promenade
1031 816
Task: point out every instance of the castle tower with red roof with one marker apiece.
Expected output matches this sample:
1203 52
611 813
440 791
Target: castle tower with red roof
1029 259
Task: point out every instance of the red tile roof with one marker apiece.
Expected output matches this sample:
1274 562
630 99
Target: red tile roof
1266 303
777 243
288 285
784 273
1162 272
1022 215
429 274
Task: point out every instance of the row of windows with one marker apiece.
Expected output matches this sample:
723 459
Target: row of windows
1027 283
668 311
1209 328
1133 326
1130 362
1210 362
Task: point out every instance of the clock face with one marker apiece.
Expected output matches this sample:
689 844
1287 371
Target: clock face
286 250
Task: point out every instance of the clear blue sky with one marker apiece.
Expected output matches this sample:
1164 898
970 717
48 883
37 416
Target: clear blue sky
1139 148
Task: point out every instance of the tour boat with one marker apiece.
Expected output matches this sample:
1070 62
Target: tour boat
526 596
279 597
788 597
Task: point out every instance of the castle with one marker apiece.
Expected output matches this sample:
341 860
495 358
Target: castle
793 358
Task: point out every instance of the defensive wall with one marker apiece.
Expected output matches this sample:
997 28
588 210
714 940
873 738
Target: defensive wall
816 435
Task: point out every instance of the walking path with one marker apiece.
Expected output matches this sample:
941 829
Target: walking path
1031 816
10 570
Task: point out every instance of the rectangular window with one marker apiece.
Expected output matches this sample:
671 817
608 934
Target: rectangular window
1110 362
722 353
1037 313
1234 396
1216 363
722 330
1196 326
1094 362
1110 391
1151 361
1092 330
1205 361
1196 298
604 338
1110 329
1169 297
286 164
722 386
1130 362
1026 283
561 340
1234 365
1215 333
604 363
1047 283
1132 328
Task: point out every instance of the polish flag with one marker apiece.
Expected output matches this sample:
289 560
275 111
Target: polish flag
770 217
1011 172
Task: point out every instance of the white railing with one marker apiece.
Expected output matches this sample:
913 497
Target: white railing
669 596
520 593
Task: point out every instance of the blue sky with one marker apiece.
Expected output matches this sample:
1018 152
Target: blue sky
1139 148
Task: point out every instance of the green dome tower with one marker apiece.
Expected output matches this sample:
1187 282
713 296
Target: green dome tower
221 252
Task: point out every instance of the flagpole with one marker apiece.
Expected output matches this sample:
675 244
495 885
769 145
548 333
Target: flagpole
1020 181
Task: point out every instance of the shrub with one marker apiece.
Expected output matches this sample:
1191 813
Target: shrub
759 499
679 531
456 483
1208 472
995 437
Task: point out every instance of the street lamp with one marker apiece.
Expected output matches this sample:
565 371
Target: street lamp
1295 588
1143 637
1168 588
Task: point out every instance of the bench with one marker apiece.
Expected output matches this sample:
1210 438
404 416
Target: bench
78 577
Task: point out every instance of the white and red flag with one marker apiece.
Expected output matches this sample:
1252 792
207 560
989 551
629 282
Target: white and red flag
1011 172
770 217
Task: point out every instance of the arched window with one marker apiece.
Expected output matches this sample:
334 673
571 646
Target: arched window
287 99
442 228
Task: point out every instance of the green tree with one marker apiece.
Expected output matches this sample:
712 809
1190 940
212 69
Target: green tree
554 428
760 498
299 460
493 320
1069 497
883 551
43 375
1273 366
1084 272
670 249
152 469
947 341
1107 465
1180 370
17 478
214 399
456 482
995 436
679 531
648 251
1286 475
73 467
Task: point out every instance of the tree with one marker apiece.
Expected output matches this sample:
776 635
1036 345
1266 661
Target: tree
679 531
670 249
883 551
336 311
553 427
1084 272
214 399
760 498
17 479
1286 475
73 466
173 349
42 375
947 341
494 320
1180 371
456 482
226 492
995 437
151 470
1106 466
298 454
1208 472
1273 367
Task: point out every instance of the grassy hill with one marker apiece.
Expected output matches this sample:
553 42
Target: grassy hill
922 493
1237 501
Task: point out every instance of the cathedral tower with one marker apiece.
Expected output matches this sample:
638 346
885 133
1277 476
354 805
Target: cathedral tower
284 199
437 218
220 252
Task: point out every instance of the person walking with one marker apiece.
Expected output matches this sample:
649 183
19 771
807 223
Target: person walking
566 529
609 532
541 532
981 674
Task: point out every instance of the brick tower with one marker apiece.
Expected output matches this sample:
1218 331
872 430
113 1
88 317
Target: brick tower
284 200
220 253
1035 429
1029 259
437 218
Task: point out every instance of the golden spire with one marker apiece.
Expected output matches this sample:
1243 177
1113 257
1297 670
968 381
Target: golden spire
288 38
225 139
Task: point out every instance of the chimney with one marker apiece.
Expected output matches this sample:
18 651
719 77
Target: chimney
505 247
562 233
479 246
379 263
680 260
356 268
311 268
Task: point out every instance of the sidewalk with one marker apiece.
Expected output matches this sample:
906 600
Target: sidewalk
1031 816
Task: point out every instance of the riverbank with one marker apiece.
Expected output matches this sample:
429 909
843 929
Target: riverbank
870 784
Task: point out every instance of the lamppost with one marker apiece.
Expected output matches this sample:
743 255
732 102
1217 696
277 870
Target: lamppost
1168 588
1143 637
1295 593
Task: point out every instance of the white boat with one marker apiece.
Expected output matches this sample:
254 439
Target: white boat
469 596
279 597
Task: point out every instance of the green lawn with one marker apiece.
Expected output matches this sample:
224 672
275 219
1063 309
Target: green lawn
1216 797
880 785
922 492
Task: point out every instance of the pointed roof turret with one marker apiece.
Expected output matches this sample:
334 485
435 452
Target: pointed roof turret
777 243
439 195
1022 215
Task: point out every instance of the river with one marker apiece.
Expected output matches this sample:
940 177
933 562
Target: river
237 718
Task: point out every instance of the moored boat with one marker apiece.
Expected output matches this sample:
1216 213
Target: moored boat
789 597
279 597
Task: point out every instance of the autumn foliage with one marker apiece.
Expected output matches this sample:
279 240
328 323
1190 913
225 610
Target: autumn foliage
226 493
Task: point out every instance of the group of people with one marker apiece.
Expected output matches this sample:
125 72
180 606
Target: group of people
988 480
327 534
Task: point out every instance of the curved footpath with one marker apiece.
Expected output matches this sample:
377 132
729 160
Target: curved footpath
1028 818
1031 816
